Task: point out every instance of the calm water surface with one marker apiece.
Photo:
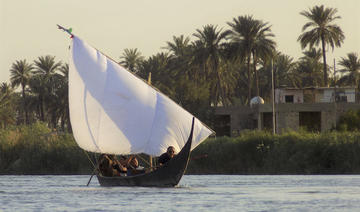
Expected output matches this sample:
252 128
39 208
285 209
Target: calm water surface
194 193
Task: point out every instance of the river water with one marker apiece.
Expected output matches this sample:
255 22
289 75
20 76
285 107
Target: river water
194 193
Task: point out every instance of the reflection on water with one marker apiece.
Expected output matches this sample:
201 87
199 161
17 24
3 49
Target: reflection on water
194 193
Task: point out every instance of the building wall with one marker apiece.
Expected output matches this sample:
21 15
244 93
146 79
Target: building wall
350 94
287 115
281 93
319 96
287 120
328 96
328 119
241 118
315 95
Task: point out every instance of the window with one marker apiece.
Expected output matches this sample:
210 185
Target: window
222 125
289 99
310 121
341 98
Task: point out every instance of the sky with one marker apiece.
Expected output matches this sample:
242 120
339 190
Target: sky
28 28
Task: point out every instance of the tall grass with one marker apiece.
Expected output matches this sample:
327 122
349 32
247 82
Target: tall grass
256 152
35 149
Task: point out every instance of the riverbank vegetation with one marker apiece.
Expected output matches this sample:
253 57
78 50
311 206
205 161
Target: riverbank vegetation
214 67
35 149
256 152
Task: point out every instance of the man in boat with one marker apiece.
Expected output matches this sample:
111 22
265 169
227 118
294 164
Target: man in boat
165 157
109 166
133 167
117 165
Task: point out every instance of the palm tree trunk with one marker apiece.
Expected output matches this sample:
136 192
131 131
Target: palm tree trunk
41 109
324 58
219 83
42 114
24 104
249 79
62 123
54 120
68 123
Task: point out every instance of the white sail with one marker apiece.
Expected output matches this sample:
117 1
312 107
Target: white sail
113 111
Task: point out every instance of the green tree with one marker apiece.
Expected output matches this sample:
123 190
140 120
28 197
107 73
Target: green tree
351 68
62 97
180 55
131 59
46 68
284 67
321 29
190 90
7 111
252 39
309 68
284 74
20 74
162 77
209 53
180 46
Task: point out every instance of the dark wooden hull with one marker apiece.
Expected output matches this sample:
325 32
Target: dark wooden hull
167 175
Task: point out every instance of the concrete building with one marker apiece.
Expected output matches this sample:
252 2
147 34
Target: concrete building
315 109
315 95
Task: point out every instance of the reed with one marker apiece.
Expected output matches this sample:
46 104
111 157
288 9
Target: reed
36 149
256 152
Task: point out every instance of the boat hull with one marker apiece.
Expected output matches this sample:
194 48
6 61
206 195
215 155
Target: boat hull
167 175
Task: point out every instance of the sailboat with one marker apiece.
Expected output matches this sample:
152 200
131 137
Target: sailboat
113 111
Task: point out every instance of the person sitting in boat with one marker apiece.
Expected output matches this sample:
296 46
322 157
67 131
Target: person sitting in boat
105 165
109 166
117 165
133 167
165 157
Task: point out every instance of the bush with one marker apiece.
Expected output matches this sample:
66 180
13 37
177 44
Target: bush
350 121
35 149
290 153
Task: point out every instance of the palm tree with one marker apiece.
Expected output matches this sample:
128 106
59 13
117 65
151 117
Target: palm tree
6 89
57 105
162 77
180 57
7 112
63 97
180 46
351 66
210 53
190 89
46 68
321 29
309 68
284 67
20 74
252 38
131 59
284 73
263 48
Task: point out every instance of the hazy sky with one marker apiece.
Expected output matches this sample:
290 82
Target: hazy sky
28 28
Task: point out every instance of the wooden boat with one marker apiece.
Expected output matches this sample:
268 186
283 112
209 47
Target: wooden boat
113 111
167 175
